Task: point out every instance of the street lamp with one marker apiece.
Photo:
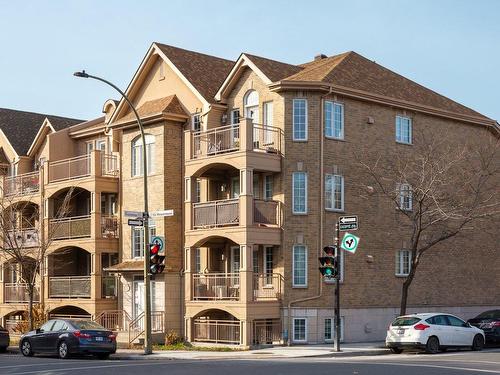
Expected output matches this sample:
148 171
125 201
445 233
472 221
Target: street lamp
147 286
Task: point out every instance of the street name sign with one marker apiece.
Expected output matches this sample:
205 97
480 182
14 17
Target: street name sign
162 213
134 213
348 223
136 222
350 243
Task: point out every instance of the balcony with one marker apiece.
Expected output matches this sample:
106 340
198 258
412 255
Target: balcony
94 164
245 144
69 287
70 227
216 286
22 238
18 293
24 184
267 287
226 212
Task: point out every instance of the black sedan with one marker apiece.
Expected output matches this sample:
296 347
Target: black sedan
489 322
67 336
4 339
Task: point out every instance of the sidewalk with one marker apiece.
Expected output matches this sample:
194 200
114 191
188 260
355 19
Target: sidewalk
302 351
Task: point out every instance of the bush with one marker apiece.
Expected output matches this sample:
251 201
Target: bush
39 317
173 338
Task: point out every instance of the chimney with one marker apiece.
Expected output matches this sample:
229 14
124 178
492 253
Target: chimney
321 56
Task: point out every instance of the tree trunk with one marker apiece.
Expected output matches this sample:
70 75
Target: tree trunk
30 307
404 297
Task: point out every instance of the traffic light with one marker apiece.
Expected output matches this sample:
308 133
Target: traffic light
329 266
156 261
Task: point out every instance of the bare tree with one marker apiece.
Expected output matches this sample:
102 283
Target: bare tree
440 189
25 239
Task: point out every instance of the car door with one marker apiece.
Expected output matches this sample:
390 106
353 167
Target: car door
39 339
462 334
441 329
52 337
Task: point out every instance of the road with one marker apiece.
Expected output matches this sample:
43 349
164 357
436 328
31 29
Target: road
407 364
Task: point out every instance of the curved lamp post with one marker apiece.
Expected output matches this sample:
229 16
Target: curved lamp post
147 286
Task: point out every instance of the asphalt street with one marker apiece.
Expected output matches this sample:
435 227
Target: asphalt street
407 364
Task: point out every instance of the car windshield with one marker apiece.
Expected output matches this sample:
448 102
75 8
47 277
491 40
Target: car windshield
405 321
493 314
86 324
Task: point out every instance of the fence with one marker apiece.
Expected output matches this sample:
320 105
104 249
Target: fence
215 141
18 292
267 138
217 331
109 165
70 227
109 226
267 286
68 169
216 286
265 212
21 238
216 213
23 184
69 287
267 332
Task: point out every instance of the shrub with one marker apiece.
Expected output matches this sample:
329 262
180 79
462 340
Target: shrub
173 338
39 317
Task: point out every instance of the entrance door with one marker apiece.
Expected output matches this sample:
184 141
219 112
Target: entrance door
138 298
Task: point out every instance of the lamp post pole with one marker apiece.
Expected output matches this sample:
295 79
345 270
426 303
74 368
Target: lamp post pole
147 286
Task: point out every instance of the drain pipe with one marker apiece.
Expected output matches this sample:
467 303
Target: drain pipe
321 215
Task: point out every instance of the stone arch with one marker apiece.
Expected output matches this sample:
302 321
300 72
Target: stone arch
69 311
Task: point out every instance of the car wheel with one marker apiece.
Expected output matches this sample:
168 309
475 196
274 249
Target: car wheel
102 355
63 350
432 346
478 343
396 350
26 348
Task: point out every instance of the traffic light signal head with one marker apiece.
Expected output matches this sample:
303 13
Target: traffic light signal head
156 261
328 263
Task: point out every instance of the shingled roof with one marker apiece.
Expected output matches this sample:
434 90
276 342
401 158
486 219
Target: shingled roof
21 127
274 70
351 70
168 104
206 73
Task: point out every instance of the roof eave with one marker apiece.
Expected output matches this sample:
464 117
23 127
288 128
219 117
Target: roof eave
363 95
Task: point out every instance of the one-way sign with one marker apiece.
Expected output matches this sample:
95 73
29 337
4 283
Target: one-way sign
348 223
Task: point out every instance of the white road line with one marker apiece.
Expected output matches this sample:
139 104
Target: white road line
431 366
40 364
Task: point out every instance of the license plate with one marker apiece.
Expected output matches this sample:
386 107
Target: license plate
400 331
99 338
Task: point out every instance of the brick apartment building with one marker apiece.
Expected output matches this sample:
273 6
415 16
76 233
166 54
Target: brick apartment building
255 159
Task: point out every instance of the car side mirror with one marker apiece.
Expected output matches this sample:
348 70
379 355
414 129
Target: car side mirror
466 325
39 330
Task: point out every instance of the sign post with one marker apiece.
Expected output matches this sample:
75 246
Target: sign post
337 287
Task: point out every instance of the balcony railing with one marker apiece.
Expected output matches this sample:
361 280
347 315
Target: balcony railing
18 292
69 287
70 227
109 287
226 139
24 184
109 226
22 238
216 213
114 320
267 331
12 325
217 331
68 169
266 212
216 286
109 165
267 286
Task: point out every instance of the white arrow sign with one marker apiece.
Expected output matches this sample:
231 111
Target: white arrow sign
348 223
162 213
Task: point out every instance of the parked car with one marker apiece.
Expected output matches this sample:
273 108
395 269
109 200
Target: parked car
4 339
432 332
489 322
67 336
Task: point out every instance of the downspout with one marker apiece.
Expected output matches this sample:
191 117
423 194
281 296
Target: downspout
321 216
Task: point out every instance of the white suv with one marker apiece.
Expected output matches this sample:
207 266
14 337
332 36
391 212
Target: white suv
432 332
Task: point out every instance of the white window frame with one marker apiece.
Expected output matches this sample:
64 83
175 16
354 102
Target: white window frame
295 212
255 261
305 330
268 272
332 329
296 139
294 284
233 116
152 233
332 177
268 182
196 117
400 262
330 131
399 129
136 150
405 190
197 260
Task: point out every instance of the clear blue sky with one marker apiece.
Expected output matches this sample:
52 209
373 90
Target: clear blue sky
452 46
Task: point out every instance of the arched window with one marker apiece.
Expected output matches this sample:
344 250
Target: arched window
137 148
251 102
